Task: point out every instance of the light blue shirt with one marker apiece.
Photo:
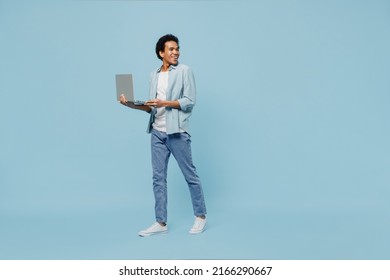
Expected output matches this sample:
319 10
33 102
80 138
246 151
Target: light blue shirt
181 87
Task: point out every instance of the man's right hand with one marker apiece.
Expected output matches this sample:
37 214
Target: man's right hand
122 99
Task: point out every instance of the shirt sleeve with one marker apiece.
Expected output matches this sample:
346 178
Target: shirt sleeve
188 98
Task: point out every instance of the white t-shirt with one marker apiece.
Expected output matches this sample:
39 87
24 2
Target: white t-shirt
159 121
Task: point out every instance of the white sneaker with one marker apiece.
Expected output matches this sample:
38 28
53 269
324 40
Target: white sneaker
199 226
156 228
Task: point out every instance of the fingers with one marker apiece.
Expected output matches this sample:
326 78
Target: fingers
122 99
153 102
150 103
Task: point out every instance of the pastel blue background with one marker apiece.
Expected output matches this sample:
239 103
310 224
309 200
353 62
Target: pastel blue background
290 134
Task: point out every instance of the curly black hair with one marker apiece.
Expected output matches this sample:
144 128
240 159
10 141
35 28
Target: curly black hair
160 46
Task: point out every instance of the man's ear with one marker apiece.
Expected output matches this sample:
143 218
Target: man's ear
161 54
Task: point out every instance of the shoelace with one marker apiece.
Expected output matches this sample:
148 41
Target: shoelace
154 226
197 223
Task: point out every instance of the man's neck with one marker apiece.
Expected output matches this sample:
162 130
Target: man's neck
165 67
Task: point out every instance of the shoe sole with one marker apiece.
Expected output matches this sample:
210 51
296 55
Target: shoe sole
154 233
197 232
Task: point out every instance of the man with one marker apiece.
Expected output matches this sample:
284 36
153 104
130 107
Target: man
172 98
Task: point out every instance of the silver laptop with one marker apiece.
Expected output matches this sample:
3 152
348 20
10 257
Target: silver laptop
124 85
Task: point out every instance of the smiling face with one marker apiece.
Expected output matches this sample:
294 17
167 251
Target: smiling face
171 53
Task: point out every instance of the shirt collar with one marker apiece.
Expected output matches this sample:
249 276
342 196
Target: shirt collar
171 67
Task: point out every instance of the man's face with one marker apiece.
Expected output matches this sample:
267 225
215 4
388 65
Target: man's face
171 53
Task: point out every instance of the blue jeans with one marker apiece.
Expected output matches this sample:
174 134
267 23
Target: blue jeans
179 145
